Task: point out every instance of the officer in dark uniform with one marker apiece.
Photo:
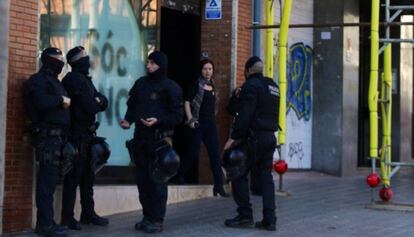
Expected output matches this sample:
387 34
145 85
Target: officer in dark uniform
47 105
155 106
256 123
233 110
86 103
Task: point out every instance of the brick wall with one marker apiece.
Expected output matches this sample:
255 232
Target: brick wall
216 41
17 212
244 38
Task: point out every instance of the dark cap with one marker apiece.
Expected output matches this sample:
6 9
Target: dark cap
75 54
251 61
50 52
160 59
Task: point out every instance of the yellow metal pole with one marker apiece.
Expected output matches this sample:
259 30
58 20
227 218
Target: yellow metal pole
386 109
282 52
269 62
373 81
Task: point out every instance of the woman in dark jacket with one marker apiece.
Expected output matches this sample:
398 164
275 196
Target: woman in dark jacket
200 109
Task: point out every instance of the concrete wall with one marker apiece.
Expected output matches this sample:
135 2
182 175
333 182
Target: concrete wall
327 88
336 88
406 93
4 54
350 89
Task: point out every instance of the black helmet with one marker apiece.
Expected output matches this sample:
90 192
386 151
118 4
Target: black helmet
235 162
100 152
165 164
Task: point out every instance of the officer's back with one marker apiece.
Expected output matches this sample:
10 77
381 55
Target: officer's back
254 125
260 95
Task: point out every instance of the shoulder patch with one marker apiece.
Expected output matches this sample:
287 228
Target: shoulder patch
274 90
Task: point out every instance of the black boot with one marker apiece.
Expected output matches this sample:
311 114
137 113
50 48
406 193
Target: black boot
152 227
71 223
50 231
94 220
141 225
60 228
265 226
220 190
239 222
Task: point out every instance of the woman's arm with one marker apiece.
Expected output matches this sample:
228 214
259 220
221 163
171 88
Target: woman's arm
187 109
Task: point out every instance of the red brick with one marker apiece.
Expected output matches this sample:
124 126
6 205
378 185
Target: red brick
17 212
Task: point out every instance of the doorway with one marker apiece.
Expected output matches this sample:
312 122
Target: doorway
180 41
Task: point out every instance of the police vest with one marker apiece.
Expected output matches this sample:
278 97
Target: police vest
267 112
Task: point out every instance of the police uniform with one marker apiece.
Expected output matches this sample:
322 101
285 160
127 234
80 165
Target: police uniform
159 97
43 94
84 108
233 109
256 123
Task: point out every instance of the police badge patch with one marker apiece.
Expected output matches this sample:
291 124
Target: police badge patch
273 90
153 96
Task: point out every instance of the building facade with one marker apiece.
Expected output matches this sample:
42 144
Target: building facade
327 77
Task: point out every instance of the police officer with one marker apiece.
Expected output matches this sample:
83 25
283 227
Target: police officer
155 106
86 103
233 110
47 104
256 123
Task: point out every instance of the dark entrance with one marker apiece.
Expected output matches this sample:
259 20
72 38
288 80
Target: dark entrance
180 40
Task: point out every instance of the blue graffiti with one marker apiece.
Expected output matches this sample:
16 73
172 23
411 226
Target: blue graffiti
299 96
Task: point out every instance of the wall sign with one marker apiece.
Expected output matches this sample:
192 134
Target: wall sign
213 9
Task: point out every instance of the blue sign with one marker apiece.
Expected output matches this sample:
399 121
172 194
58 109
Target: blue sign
213 10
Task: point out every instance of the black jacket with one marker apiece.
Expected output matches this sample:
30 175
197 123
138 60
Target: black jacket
158 98
43 100
258 107
82 92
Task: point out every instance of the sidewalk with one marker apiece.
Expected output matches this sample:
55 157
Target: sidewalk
320 205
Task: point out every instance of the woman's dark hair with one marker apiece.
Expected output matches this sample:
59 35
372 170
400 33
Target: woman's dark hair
204 62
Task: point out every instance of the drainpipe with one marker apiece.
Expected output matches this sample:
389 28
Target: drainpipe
256 32
269 61
4 64
234 21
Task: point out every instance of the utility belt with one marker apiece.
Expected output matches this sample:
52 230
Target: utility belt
83 133
153 134
41 132
91 128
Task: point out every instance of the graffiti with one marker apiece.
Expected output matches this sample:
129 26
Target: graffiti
109 57
299 81
296 152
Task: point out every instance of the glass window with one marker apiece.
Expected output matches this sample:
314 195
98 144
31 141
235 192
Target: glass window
117 42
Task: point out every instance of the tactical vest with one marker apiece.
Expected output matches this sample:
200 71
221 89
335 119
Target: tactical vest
267 112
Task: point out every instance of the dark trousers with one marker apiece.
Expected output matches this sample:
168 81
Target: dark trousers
47 178
152 196
206 133
81 175
260 153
